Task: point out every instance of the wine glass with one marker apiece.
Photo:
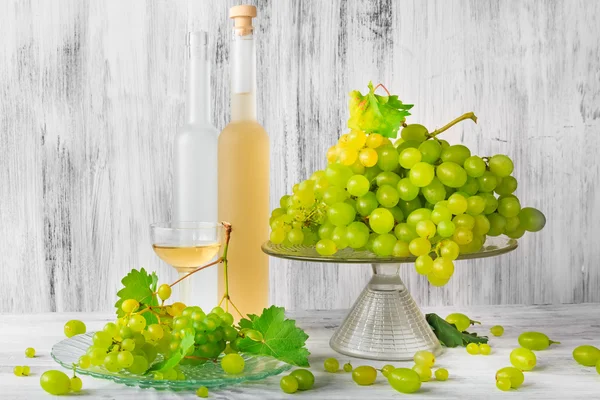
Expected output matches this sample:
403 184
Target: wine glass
186 246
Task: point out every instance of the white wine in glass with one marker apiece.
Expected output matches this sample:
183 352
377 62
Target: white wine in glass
187 259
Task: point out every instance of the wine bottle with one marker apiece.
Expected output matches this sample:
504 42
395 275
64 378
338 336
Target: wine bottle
244 176
195 162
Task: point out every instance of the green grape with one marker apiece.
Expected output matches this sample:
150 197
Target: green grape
419 246
462 236
441 374
381 220
503 384
473 349
181 322
406 190
387 178
386 369
497 224
357 234
430 151
404 380
516 234
501 165
423 371
497 330
30 352
506 186
487 182
339 237
485 349
473 246
139 365
326 230
446 228
409 157
405 232
128 344
509 206
421 174
125 359
491 203
296 236
512 223
407 144
474 166
421 214
535 341
397 213
289 384
202 392
425 358
387 158
232 364
471 187
409 206
111 362
102 340
586 355
74 327
112 329
358 185
55 382
18 370
226 319
368 157
364 375
435 281
366 204
333 195
84 361
449 249
304 377
475 205
512 374
426 229
444 144
401 249
415 132
442 268
439 214
137 323
464 221
283 202
387 196
150 351
156 331
25 370
523 359
130 305
461 321
338 174
170 375
457 204
383 245
434 192
482 225
424 264
532 220
456 154
97 355
326 247
451 174
331 365
341 214
347 367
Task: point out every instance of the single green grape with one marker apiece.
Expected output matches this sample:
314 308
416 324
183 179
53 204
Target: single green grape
457 204
424 265
531 219
461 321
586 355
474 166
442 268
202 392
125 359
501 165
326 247
415 132
436 281
383 245
507 185
409 157
289 384
357 234
407 190
509 206
18 370
130 305
386 369
364 375
111 362
475 205
473 348
331 365
497 330
434 192
424 357
137 323
76 384
441 374
426 229
347 367
102 340
139 366
296 236
338 174
401 249
387 196
381 220
26 370
451 174
84 361
305 378
423 371
55 382
387 157
387 178
358 185
30 352
503 384
487 182
233 364
74 327
446 228
164 292
514 375
449 249
535 341
430 151
404 380
421 174
485 349
523 359
456 153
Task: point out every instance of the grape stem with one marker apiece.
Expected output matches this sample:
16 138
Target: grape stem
469 115
219 260
381 86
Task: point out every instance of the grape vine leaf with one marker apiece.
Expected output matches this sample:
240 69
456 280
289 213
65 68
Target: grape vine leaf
141 286
373 113
186 344
448 335
282 338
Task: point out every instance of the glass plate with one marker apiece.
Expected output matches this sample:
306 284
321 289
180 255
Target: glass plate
210 374
493 246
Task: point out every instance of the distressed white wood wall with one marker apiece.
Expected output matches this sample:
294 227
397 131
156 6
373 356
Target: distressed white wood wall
91 93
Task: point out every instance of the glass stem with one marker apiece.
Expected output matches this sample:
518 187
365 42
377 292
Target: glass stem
184 289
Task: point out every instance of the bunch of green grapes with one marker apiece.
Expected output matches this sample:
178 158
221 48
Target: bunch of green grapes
418 197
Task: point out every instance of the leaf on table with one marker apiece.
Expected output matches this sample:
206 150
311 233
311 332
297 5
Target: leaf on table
373 113
141 286
448 335
282 339
186 344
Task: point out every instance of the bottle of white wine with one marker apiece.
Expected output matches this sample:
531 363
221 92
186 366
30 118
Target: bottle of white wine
195 162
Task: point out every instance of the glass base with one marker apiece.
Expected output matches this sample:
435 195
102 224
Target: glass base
385 323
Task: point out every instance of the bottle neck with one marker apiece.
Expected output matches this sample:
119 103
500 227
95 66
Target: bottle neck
197 110
243 78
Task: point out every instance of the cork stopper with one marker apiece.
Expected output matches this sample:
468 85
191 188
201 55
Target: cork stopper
242 17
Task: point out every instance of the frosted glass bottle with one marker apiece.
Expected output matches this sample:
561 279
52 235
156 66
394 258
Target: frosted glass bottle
195 163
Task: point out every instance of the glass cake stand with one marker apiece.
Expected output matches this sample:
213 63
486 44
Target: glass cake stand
385 322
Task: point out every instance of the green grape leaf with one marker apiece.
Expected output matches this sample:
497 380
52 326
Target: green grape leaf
139 285
448 335
373 113
186 344
282 338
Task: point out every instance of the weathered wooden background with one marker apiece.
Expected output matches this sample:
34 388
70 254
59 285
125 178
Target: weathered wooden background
91 93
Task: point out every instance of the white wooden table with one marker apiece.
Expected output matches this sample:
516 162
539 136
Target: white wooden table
557 376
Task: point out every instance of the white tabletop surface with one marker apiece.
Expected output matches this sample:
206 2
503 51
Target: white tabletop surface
557 376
